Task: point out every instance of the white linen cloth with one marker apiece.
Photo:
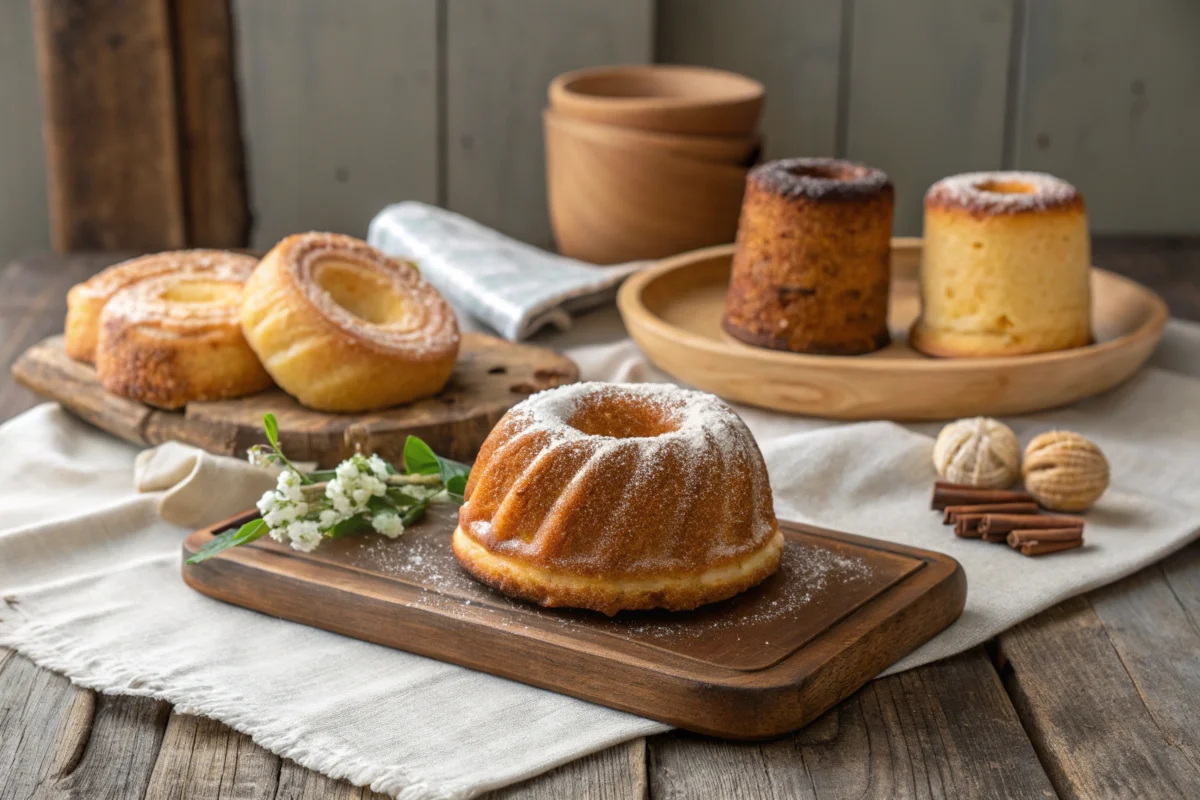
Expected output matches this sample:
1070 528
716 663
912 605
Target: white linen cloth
513 287
89 576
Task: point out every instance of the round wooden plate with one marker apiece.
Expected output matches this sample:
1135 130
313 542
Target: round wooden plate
673 311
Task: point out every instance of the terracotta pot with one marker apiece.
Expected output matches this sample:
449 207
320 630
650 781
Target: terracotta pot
737 150
663 98
612 201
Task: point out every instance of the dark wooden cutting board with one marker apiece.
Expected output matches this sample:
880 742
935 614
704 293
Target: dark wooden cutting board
491 376
841 609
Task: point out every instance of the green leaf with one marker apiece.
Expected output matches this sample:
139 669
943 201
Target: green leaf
271 426
254 529
419 459
322 475
414 513
455 487
352 526
400 498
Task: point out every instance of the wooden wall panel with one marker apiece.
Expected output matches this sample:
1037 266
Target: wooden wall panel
791 46
112 143
24 223
1111 101
927 92
500 55
210 126
340 110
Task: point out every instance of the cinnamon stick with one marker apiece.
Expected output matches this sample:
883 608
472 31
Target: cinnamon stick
957 494
952 512
1032 542
966 526
996 524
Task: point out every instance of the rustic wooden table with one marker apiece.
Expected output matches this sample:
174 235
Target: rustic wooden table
1097 697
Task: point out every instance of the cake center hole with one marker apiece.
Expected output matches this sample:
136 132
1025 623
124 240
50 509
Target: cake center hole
201 291
1006 187
367 294
622 418
829 172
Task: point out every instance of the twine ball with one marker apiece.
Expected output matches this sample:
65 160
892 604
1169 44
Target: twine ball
979 452
1064 471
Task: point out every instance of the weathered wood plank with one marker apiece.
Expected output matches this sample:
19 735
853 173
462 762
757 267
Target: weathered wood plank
927 90
792 47
210 130
943 730
45 723
201 759
24 219
112 140
119 755
298 783
618 773
340 103
1107 687
1108 101
500 57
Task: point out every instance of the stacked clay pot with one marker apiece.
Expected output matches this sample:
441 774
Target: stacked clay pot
644 162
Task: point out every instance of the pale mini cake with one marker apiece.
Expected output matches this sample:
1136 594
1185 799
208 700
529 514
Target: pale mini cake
813 258
176 338
86 300
1005 267
619 496
342 327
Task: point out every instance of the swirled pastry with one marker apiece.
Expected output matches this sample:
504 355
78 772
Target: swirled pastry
169 340
342 327
86 300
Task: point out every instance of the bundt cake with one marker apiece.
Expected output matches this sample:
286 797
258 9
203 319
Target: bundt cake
86 300
619 496
1005 266
342 327
811 266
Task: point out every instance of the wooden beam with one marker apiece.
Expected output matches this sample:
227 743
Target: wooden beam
214 177
110 124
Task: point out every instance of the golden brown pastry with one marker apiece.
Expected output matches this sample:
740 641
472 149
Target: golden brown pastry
619 496
342 327
86 300
812 264
1005 266
175 338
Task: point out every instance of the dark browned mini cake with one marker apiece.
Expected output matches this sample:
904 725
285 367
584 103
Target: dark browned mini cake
811 268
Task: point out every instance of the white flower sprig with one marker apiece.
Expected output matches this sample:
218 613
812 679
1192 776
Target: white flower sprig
364 493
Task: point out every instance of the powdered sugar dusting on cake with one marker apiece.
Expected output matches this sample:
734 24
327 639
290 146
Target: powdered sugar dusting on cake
1002 192
820 178
675 462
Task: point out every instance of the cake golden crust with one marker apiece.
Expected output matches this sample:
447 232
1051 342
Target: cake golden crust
619 496
85 301
811 267
1005 267
342 327
174 339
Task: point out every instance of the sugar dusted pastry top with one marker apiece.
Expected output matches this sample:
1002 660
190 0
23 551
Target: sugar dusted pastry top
987 193
819 179
111 280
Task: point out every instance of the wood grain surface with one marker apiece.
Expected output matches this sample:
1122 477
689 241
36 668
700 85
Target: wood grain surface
868 746
109 106
491 376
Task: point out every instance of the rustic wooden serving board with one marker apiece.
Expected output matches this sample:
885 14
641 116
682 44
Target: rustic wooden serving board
491 376
840 610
